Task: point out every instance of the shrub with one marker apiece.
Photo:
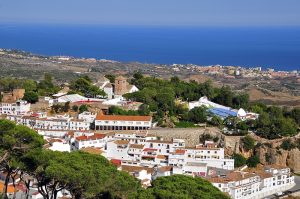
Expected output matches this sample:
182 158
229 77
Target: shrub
253 161
248 143
287 145
239 160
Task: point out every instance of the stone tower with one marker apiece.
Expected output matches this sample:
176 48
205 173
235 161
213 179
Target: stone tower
120 85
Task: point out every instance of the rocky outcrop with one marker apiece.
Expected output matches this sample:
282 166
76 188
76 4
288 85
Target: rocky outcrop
271 153
293 160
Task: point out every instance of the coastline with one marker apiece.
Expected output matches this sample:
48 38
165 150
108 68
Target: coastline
266 47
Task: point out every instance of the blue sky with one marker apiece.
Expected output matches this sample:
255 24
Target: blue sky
153 12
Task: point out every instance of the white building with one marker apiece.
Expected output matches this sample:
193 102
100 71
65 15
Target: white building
122 122
87 116
144 174
222 111
254 184
84 141
118 149
194 169
79 124
56 144
208 154
20 107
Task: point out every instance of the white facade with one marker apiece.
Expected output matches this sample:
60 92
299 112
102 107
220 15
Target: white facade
260 184
57 123
191 169
122 122
19 107
77 124
87 116
208 154
84 141
60 146
118 150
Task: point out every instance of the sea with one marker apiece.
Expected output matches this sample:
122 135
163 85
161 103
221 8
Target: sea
267 47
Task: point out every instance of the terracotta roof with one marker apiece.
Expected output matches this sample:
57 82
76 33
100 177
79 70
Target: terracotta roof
52 140
264 175
149 149
121 142
93 137
163 157
123 118
137 146
165 168
92 150
218 180
179 152
232 176
131 169
110 134
70 134
116 162
237 176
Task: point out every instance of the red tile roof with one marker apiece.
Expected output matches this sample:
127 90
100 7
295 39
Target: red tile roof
121 142
180 152
116 162
123 118
93 137
149 149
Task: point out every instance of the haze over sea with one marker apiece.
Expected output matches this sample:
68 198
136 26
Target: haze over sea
275 47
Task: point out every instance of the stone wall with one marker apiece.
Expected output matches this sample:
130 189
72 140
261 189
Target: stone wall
191 135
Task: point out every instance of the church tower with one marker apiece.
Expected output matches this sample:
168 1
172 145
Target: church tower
120 85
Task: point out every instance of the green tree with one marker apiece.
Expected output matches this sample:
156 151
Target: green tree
46 86
216 121
75 108
248 142
197 115
287 145
83 108
179 187
84 86
15 142
31 97
84 175
295 114
137 76
253 161
111 78
29 85
225 96
239 160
